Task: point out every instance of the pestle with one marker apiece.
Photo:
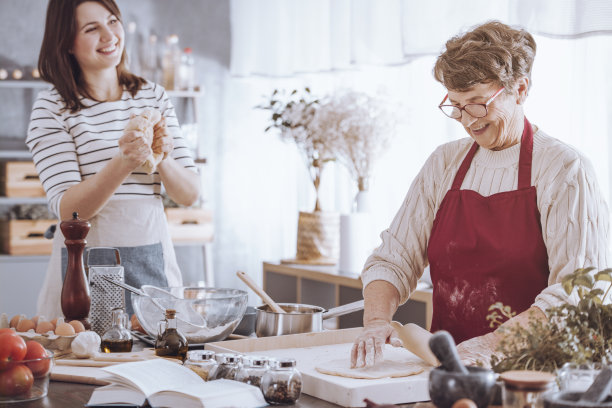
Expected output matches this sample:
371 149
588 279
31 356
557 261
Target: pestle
600 389
443 346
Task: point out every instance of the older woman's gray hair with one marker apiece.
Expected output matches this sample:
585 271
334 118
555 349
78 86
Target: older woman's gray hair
491 52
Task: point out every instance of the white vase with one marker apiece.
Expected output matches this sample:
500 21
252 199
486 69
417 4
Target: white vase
362 202
354 241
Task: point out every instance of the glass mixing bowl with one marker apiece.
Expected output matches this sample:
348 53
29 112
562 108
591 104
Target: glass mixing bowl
220 308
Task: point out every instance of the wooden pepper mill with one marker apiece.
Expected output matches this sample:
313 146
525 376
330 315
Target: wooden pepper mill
75 299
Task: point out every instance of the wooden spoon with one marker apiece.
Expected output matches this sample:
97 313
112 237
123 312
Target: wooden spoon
259 291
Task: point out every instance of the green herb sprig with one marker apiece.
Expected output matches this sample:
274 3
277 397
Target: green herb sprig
578 333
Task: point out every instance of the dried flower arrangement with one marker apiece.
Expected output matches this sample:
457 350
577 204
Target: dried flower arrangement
359 128
578 333
293 115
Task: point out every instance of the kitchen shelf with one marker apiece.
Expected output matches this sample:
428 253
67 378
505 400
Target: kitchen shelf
12 83
22 200
15 154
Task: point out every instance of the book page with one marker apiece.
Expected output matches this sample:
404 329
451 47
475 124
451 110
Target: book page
116 393
213 394
155 375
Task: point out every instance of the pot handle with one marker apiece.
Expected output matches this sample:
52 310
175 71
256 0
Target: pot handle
344 309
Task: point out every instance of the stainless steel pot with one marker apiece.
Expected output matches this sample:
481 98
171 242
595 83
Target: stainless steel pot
298 318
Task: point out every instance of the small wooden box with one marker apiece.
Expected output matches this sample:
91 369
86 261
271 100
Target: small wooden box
20 179
25 237
190 225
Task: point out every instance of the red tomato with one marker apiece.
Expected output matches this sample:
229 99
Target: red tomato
7 330
12 348
36 351
16 380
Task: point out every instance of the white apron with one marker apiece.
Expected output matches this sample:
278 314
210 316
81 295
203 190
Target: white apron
138 228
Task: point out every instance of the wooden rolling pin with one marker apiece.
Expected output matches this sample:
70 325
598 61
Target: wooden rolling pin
416 340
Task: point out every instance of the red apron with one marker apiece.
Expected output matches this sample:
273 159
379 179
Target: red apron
484 250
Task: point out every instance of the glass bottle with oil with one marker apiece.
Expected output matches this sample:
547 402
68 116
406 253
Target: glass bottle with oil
170 342
118 338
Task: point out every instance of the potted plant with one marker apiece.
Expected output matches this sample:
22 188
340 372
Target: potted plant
359 128
574 333
293 115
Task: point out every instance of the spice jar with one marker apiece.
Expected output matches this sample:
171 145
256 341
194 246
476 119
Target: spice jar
524 388
252 370
229 364
202 362
282 384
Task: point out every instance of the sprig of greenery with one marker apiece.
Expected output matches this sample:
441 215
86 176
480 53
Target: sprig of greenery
578 333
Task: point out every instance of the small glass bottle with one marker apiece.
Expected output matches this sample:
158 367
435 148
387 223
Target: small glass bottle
252 370
118 338
170 342
524 388
229 364
282 384
170 62
202 362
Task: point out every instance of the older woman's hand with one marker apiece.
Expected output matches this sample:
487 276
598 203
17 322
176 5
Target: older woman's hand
368 346
133 148
477 351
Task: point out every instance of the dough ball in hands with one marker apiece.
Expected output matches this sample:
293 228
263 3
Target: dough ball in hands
145 122
161 137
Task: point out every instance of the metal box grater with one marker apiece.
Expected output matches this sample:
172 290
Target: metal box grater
104 295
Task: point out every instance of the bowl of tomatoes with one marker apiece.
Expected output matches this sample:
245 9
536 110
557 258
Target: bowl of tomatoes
25 367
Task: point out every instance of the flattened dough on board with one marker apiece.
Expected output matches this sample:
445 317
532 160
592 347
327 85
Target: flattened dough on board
383 369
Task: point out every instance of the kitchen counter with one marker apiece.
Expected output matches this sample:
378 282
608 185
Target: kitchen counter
70 395
73 395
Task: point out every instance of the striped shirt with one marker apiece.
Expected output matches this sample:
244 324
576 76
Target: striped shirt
68 148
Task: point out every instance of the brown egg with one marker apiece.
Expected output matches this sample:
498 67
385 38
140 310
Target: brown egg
44 327
35 320
15 320
64 329
25 324
464 403
78 326
54 321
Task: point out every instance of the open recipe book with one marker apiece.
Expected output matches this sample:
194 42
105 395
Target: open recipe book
167 384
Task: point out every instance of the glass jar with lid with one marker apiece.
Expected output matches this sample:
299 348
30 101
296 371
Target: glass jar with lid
524 388
252 370
228 366
117 338
202 362
282 384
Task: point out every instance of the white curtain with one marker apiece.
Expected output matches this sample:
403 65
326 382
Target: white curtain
374 46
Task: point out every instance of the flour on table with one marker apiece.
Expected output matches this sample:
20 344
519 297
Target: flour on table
382 369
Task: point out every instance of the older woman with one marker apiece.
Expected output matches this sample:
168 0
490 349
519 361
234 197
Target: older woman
500 216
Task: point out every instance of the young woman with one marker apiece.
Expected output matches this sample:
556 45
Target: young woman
86 160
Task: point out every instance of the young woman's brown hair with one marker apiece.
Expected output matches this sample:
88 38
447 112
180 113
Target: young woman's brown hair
59 67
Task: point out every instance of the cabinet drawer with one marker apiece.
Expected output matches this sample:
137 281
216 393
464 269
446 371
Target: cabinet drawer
190 225
25 237
20 179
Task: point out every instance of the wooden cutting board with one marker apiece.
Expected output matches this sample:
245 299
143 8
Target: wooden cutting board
87 371
312 349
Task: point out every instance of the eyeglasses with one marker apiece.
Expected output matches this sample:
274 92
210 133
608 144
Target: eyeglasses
476 110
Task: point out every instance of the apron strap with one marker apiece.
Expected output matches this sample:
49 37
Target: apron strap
525 158
465 165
